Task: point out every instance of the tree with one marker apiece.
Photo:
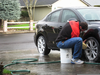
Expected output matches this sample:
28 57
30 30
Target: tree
9 9
30 5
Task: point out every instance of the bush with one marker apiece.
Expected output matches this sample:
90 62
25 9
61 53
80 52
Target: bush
24 14
6 71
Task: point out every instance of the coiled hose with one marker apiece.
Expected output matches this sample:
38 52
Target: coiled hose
32 61
29 61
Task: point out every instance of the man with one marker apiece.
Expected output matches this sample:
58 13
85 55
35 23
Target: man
69 38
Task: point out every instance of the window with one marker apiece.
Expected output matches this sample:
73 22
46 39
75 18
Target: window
90 14
48 18
67 14
53 17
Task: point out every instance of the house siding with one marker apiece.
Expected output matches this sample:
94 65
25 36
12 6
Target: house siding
41 12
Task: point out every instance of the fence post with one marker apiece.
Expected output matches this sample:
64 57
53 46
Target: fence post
31 25
5 26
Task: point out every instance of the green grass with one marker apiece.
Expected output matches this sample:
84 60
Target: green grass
6 71
21 25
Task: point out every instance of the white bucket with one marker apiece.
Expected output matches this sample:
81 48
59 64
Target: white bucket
66 55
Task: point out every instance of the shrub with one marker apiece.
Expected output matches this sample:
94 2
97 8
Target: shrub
24 14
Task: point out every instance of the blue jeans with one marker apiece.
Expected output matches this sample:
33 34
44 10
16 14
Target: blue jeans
75 42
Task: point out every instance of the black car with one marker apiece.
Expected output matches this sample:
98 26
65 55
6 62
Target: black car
47 29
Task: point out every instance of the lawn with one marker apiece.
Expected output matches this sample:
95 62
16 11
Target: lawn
21 25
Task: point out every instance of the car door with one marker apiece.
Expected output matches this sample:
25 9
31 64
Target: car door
50 27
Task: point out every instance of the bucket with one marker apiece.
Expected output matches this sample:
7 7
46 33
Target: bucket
66 55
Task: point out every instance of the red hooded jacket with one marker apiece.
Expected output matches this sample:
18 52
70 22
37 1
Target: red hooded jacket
70 30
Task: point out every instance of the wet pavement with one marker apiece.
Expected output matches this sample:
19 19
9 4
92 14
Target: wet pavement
19 41
45 69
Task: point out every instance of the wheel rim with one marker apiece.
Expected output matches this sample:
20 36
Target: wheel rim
41 44
92 50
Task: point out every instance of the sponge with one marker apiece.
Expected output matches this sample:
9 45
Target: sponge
84 46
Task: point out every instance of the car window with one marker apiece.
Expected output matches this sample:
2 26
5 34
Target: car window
53 17
48 18
90 14
67 14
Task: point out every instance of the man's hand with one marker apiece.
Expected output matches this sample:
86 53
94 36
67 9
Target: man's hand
84 41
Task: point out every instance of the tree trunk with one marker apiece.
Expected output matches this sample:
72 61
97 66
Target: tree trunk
0 23
31 25
1 69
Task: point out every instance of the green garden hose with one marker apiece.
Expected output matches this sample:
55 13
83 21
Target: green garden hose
29 61
18 61
92 63
32 61
13 72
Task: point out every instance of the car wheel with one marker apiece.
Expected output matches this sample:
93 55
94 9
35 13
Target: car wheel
42 46
92 52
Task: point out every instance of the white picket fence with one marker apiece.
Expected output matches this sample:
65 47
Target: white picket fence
5 28
19 23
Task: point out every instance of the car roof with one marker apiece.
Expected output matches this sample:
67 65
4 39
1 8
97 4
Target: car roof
72 8
79 8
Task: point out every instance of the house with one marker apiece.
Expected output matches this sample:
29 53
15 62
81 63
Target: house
43 7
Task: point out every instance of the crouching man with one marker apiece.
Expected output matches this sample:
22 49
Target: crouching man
69 38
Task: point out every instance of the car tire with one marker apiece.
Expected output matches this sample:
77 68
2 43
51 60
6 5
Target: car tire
42 46
93 50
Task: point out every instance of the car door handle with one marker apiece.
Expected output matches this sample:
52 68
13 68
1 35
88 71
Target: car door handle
45 25
60 27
